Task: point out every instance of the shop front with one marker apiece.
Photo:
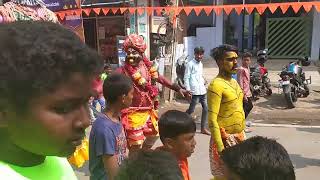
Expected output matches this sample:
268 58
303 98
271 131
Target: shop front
106 31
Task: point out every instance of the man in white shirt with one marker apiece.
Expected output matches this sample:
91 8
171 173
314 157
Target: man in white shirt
195 83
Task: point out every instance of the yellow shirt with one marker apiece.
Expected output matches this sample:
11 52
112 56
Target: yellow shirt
225 105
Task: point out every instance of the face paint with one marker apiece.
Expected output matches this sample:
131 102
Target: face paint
230 65
133 57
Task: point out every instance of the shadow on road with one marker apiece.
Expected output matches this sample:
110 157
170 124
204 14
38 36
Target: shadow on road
314 130
302 162
275 101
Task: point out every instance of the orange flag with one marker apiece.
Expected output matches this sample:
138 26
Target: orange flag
178 10
249 9
207 10
296 7
284 7
227 9
317 6
61 15
261 9
140 11
114 10
158 11
132 10
273 7
97 10
197 10
87 11
238 9
105 10
187 10
217 10
78 12
307 7
149 10
122 10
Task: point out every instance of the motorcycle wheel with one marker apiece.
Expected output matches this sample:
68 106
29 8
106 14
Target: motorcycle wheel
269 92
254 94
290 96
307 91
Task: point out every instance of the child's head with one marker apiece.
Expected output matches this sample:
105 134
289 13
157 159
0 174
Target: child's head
150 165
118 90
246 59
177 130
46 73
258 158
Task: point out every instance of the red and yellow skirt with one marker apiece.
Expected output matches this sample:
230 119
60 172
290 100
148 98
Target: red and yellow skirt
216 164
139 123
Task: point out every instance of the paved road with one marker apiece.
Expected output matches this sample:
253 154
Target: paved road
302 144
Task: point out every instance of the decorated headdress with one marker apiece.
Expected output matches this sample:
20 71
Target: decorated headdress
136 42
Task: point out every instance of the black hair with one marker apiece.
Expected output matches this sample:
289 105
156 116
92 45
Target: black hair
198 50
35 57
218 52
106 66
259 158
150 165
174 123
247 55
115 86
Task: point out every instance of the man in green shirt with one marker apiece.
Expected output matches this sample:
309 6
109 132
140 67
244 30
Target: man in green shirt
46 74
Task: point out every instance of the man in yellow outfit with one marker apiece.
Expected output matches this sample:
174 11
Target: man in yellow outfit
225 109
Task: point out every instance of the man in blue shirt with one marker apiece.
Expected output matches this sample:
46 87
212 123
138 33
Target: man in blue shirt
195 83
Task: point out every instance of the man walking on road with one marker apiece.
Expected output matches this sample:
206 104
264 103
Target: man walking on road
195 83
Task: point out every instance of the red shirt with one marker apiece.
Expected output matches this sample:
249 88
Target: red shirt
244 81
97 86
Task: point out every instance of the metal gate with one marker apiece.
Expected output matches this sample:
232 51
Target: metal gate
288 37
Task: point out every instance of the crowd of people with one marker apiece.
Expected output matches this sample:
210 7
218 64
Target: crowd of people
48 76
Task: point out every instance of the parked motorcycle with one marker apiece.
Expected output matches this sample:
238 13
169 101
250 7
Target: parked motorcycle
294 82
259 81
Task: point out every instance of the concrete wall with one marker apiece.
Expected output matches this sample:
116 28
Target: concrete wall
207 37
315 46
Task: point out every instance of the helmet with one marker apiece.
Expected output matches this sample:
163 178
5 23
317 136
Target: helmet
305 61
262 52
262 56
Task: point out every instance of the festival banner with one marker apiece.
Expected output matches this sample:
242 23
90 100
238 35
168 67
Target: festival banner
218 9
58 5
69 19
74 23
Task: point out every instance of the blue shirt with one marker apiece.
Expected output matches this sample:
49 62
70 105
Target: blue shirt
106 138
193 78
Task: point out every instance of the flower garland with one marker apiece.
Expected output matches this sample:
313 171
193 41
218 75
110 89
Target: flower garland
138 79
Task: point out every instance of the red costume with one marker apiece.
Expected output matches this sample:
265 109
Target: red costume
141 120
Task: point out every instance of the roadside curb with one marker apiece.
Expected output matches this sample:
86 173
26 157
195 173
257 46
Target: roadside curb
283 125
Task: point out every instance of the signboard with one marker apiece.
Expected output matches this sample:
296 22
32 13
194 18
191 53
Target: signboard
59 5
156 21
121 53
74 23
